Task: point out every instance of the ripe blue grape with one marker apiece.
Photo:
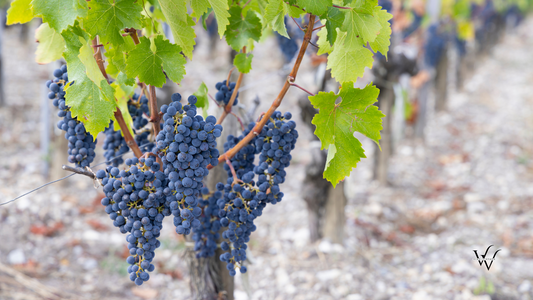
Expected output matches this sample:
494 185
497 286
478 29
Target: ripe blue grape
135 200
223 96
137 109
236 204
114 145
185 158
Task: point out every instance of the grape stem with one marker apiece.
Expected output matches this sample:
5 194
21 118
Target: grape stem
276 103
341 7
238 119
133 33
317 28
227 109
291 82
229 76
118 114
228 162
297 24
80 171
154 116
216 102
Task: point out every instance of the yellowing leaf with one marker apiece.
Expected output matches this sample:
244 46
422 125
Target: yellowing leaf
122 97
51 44
20 11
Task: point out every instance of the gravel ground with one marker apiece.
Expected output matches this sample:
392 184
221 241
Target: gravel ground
465 188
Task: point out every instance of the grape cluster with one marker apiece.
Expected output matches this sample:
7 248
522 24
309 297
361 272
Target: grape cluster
206 235
223 96
186 145
81 144
114 145
276 141
244 199
135 200
137 108
243 161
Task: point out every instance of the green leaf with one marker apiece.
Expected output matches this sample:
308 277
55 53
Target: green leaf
293 11
59 14
116 56
275 16
347 61
51 44
20 11
149 65
323 44
91 102
336 124
221 8
382 41
243 62
76 69
122 97
177 7
241 30
183 32
91 105
203 101
316 7
126 84
362 25
334 19
107 19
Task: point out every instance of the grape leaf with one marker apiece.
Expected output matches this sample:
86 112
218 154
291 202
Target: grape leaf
20 11
106 19
348 60
91 102
220 7
91 105
362 25
148 65
91 67
240 30
275 16
51 44
323 44
382 41
199 7
122 97
336 124
183 32
293 11
243 62
73 37
316 7
116 56
203 101
334 19
59 14
177 7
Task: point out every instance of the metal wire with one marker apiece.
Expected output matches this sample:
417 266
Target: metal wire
46 184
